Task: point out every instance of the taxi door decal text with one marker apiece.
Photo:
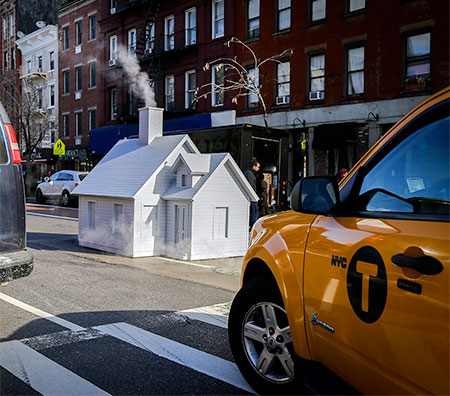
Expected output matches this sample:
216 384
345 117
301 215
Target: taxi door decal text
367 284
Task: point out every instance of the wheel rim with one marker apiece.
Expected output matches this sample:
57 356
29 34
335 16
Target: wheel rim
267 342
65 199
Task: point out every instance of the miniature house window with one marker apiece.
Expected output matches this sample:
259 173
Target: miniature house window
91 215
183 180
181 219
118 219
221 219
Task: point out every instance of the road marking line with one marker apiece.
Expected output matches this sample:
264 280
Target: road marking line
43 374
42 314
184 355
216 315
52 216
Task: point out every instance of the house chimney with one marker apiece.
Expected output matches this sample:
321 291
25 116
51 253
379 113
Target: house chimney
150 124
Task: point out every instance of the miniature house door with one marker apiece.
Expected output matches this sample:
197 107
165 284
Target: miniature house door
181 223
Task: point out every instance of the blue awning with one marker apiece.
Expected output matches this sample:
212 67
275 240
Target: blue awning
103 139
198 121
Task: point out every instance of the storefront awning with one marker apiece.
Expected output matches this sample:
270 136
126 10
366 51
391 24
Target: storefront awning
103 139
199 121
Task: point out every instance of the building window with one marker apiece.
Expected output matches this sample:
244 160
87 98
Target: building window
65 82
5 27
5 60
316 76
13 25
132 42
118 219
169 32
28 66
253 82
113 6
217 79
113 102
170 92
66 37
150 38
91 215
78 78
13 59
66 124
221 219
79 32
92 27
183 180
283 14
92 119
252 19
92 75
39 68
51 58
132 100
218 18
418 60
39 98
355 71
51 93
190 89
191 26
317 10
354 5
113 48
283 82
79 124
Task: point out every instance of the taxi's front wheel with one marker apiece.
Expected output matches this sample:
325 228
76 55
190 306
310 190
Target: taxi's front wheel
261 341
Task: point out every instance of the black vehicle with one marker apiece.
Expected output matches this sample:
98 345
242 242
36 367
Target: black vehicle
15 260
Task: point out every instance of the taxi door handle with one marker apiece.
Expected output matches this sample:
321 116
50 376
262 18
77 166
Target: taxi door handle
426 265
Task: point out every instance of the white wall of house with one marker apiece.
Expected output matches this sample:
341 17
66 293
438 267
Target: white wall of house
219 198
106 224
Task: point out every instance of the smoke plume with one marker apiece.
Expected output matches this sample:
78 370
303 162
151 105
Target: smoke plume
136 76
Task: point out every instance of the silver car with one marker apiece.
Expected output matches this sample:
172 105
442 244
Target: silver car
59 186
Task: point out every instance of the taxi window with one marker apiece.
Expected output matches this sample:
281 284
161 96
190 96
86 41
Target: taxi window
414 177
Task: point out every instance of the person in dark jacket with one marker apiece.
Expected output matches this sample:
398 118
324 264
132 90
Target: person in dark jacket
251 174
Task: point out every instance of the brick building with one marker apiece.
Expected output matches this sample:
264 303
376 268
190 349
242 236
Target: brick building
80 92
357 67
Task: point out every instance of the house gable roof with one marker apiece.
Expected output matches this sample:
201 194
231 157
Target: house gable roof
195 163
128 166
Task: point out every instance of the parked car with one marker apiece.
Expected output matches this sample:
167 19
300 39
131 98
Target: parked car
60 186
356 276
15 260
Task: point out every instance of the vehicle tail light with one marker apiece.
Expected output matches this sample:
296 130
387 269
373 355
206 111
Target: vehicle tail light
13 144
76 184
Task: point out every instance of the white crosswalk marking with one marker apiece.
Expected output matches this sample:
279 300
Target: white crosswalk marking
41 373
200 361
216 315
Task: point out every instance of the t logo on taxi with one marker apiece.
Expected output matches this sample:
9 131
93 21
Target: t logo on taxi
367 284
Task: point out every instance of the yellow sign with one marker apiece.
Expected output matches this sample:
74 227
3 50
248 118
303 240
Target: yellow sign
59 148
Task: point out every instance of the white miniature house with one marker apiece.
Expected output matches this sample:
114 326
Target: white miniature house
159 196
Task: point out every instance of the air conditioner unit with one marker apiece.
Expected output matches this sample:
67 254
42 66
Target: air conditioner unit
77 140
318 95
148 51
112 11
77 49
112 62
281 100
78 95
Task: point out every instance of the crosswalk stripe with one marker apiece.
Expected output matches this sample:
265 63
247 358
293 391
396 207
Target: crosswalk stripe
43 374
200 361
216 315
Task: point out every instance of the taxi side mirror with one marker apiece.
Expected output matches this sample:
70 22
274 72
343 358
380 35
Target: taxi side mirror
315 194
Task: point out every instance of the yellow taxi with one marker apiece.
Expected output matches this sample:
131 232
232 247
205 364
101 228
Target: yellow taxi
356 276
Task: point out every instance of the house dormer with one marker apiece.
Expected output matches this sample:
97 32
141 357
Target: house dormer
189 169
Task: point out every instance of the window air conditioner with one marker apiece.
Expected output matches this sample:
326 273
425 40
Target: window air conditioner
281 100
112 62
318 95
78 95
77 140
77 49
112 11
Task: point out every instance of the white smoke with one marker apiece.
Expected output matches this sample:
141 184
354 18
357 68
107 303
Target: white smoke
136 76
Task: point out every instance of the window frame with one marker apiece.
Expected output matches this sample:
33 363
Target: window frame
215 95
279 11
169 105
66 125
92 75
13 59
90 113
66 38
78 78
349 10
79 32
408 61
349 48
66 82
310 12
78 123
254 33
113 55
277 83
310 78
216 33
189 104
190 39
92 27
51 61
113 103
131 42
51 96
150 37
252 105
169 37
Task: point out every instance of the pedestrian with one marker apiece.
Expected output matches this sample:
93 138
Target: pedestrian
251 174
341 174
264 197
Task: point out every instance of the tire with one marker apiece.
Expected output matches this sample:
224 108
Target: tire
65 198
39 197
261 342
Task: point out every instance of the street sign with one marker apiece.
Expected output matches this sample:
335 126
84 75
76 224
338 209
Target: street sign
59 148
